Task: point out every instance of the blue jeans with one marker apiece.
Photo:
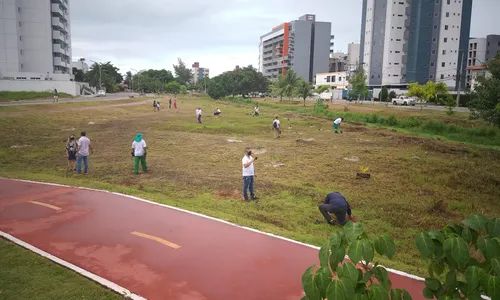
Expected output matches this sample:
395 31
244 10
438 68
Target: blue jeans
248 185
79 160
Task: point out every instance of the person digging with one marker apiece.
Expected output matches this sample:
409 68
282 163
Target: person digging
335 203
336 124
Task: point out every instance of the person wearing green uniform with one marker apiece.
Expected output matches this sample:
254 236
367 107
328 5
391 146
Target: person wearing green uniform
336 124
138 151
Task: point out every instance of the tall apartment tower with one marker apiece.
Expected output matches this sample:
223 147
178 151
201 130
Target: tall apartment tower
35 40
301 45
480 51
199 73
406 41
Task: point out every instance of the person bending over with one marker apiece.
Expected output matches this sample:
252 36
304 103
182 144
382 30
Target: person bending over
336 204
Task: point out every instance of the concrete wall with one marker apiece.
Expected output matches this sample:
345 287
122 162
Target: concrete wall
337 80
302 52
353 55
321 54
69 87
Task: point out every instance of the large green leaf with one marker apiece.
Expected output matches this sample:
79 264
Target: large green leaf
495 265
467 235
493 227
396 294
353 230
367 250
355 251
384 245
406 295
428 294
437 235
432 284
451 280
473 276
378 292
309 286
361 297
322 279
348 271
324 254
490 248
304 298
476 222
339 290
337 256
458 250
494 287
436 268
336 239
425 245
381 274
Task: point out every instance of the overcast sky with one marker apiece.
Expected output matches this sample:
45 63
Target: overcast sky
217 33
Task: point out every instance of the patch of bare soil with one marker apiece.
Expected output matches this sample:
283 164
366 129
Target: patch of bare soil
308 141
234 141
446 148
274 164
356 129
352 158
259 151
227 194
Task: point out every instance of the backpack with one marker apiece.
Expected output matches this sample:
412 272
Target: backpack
275 124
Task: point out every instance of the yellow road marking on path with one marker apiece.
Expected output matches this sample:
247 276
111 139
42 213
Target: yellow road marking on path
46 205
157 239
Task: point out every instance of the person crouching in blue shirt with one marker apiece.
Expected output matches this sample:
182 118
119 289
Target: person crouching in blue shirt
336 204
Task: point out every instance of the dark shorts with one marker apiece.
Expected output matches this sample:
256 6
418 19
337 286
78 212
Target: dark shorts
72 155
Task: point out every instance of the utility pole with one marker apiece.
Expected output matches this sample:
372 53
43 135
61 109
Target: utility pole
460 75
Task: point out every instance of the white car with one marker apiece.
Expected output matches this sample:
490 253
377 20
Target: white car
101 93
403 100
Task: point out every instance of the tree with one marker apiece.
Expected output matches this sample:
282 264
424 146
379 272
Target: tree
79 75
182 73
110 76
183 89
464 259
358 84
322 89
304 89
277 87
244 82
290 83
392 95
417 90
152 80
486 96
128 79
384 94
432 90
355 279
216 89
173 87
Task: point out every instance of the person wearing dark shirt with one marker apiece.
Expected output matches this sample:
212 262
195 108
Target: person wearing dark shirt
336 204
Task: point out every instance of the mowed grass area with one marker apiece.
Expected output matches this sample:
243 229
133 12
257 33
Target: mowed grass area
417 183
25 275
6 96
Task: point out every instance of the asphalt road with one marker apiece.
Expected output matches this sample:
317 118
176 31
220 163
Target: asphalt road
108 97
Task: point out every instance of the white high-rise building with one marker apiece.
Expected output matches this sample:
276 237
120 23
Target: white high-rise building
414 41
35 40
353 56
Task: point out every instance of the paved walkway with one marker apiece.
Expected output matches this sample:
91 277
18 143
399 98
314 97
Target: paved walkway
155 251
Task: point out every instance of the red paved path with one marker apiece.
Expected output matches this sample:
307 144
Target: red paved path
215 261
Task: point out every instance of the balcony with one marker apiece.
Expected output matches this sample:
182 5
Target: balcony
59 24
58 35
58 61
57 48
63 3
56 8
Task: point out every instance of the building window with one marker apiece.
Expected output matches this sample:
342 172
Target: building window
435 27
444 52
327 78
445 27
433 51
446 40
431 76
443 64
18 9
442 76
448 2
432 64
21 52
20 24
433 40
22 66
20 37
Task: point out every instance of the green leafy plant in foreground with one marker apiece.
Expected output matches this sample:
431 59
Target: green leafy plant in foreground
465 259
337 279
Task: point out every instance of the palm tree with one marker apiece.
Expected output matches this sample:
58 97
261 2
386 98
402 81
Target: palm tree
277 87
304 89
290 83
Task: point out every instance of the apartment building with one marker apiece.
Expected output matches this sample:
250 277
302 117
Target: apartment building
480 51
353 56
35 39
80 64
301 45
335 80
406 41
199 73
338 62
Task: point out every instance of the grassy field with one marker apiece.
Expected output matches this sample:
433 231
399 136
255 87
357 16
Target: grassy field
418 183
25 275
16 96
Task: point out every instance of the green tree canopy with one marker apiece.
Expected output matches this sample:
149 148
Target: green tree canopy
79 75
358 84
244 82
109 73
304 89
384 94
182 74
486 96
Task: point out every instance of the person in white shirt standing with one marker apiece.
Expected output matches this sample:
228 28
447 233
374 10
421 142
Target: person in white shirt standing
248 175
198 115
256 111
139 153
276 128
336 124
82 153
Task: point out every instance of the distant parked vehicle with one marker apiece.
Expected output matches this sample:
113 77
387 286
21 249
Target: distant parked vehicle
101 93
403 100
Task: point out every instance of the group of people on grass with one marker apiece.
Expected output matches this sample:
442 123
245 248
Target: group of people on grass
156 104
335 203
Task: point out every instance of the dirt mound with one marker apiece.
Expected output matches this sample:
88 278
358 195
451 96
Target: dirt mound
446 148
356 129
352 158
304 141
227 194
